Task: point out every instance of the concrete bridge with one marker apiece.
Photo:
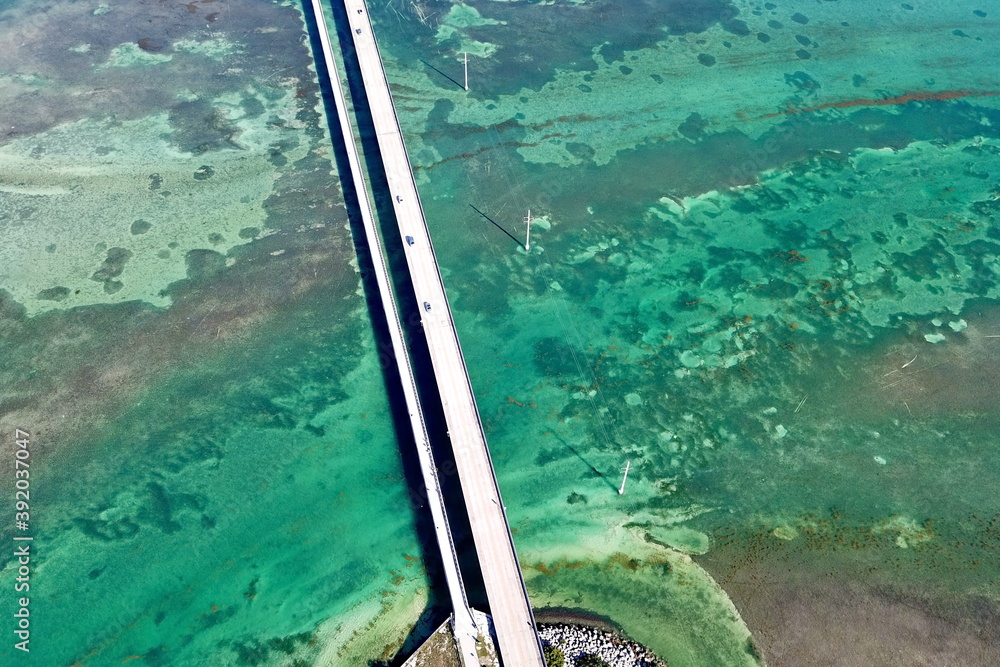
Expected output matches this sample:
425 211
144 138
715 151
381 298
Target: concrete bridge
509 605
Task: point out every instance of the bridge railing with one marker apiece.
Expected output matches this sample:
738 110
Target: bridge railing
458 344
388 301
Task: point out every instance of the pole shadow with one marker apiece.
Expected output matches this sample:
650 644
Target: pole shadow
460 85
497 225
595 471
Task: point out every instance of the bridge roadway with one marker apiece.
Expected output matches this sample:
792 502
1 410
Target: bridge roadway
463 623
512 617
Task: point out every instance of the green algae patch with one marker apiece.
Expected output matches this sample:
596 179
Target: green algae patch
99 211
660 598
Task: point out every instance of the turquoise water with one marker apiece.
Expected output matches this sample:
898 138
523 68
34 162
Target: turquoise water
764 270
215 476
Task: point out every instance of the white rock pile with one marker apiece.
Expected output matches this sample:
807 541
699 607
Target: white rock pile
576 641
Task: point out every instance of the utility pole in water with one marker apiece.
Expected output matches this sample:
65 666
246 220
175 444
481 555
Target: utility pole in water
622 489
527 239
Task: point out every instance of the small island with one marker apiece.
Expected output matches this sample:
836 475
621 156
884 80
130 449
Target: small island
565 644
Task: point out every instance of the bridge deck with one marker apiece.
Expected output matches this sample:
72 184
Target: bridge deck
511 611
463 624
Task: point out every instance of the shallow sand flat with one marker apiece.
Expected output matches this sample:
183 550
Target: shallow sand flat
106 212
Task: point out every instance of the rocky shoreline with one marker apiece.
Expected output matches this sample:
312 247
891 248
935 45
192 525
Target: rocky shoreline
576 641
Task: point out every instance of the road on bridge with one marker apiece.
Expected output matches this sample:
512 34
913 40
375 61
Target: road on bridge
463 622
508 597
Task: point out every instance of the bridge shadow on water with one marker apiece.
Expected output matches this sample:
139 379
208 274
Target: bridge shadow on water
439 604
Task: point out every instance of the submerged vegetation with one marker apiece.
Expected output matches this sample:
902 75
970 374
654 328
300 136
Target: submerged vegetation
764 270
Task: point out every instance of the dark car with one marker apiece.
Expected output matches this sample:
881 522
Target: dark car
427 306
409 240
